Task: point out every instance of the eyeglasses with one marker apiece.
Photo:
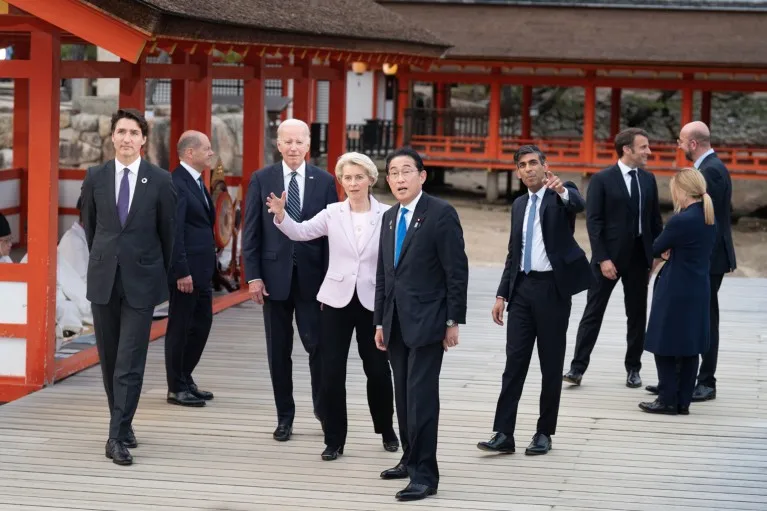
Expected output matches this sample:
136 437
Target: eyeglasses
7 240
406 172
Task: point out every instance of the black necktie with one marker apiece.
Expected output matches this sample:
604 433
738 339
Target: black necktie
635 201
202 191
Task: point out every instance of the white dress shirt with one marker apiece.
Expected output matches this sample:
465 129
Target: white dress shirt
196 176
625 169
300 179
699 161
408 217
539 259
132 178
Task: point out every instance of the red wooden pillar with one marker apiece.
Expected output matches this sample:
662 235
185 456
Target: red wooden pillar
527 103
440 104
253 125
376 85
493 147
199 99
589 120
686 116
403 103
336 131
21 139
303 92
615 112
179 111
705 108
133 88
45 53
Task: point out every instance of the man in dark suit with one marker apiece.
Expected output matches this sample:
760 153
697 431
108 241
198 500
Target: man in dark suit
194 260
284 275
695 142
421 286
129 207
622 218
544 268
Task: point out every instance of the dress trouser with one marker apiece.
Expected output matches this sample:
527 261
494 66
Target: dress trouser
122 340
190 316
710 358
337 328
676 379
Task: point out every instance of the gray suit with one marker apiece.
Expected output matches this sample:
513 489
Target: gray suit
127 277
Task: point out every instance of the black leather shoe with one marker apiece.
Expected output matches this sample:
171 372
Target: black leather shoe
633 380
331 453
390 441
658 406
652 389
415 491
118 453
184 398
703 393
573 376
683 410
541 444
398 472
283 432
130 441
500 442
202 394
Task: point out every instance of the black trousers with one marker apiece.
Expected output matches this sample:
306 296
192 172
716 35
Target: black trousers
676 379
537 311
122 340
190 316
278 323
337 327
709 359
416 394
635 278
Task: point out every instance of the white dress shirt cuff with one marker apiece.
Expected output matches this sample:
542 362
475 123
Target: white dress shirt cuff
565 196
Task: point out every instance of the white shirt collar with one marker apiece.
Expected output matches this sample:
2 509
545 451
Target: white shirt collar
703 156
195 175
133 167
539 193
286 171
412 204
625 169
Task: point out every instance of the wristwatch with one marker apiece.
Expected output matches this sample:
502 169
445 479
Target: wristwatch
450 323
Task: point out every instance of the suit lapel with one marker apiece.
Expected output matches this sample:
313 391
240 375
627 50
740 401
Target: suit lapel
347 224
110 183
278 180
193 186
373 217
419 216
518 229
139 194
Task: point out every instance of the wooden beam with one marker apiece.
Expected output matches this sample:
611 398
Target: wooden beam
303 92
336 130
90 24
179 110
23 24
43 219
15 68
282 73
589 121
527 103
325 73
493 146
13 272
615 111
402 104
95 69
199 99
21 134
705 107
133 88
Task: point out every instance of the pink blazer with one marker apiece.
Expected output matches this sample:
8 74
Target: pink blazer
348 268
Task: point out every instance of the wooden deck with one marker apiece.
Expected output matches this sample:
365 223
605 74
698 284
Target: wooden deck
607 454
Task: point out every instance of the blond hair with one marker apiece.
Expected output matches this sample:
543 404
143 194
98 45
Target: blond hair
359 160
690 183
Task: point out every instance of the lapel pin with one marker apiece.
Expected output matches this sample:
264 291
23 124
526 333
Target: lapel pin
143 181
311 177
390 225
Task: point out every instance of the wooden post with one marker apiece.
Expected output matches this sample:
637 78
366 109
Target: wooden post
45 53
133 88
303 92
492 149
527 103
589 119
615 112
337 122
199 100
705 107
253 126
179 114
376 85
403 103
21 139
686 116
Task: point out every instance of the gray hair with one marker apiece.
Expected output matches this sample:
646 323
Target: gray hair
293 122
359 160
189 139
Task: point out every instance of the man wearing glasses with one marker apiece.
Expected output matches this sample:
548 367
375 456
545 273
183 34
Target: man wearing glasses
284 276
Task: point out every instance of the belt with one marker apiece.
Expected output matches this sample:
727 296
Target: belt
537 275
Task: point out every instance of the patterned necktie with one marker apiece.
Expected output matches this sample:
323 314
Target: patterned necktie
528 248
635 201
202 191
123 198
401 232
294 199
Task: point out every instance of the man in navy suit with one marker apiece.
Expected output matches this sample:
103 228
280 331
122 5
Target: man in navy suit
194 260
544 268
283 275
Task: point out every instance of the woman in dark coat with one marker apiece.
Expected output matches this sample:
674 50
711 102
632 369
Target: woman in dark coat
678 329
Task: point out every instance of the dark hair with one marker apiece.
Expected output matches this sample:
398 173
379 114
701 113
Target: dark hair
406 151
133 114
529 149
626 138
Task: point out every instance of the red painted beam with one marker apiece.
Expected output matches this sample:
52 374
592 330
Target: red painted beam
133 88
336 130
15 387
15 68
13 272
179 112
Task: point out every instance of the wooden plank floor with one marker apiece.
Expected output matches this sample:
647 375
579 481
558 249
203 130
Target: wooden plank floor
607 454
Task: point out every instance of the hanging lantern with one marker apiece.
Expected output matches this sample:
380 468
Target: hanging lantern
359 67
389 69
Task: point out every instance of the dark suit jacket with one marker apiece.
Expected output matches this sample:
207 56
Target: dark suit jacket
679 316
194 251
610 215
268 253
429 285
572 273
142 248
719 187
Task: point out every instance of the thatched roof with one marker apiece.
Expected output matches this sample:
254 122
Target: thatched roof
357 25
514 32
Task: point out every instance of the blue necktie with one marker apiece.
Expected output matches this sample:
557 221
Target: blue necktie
401 231
202 190
294 199
528 248
123 198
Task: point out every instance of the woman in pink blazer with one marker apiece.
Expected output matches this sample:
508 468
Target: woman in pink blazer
353 229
